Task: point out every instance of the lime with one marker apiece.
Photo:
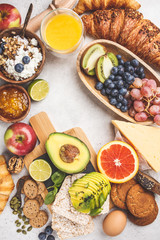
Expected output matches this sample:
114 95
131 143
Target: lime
40 170
38 89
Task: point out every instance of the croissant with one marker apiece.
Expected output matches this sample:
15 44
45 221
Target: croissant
6 183
87 5
128 28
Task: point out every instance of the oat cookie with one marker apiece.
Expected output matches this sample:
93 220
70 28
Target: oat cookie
119 193
41 187
40 200
146 220
31 208
140 202
40 220
30 189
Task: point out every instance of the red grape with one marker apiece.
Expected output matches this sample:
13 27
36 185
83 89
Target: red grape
146 91
141 117
154 110
151 84
144 80
158 91
156 101
132 112
137 83
136 94
157 119
138 106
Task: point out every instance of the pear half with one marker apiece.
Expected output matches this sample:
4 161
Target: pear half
90 58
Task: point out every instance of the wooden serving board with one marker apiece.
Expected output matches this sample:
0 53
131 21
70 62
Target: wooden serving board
43 127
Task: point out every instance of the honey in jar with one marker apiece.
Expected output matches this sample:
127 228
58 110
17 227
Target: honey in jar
13 103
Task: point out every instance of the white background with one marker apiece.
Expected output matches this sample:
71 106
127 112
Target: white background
69 104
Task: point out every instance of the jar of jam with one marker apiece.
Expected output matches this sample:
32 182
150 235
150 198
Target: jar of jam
14 102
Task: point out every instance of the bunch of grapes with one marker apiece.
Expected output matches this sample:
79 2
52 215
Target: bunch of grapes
145 100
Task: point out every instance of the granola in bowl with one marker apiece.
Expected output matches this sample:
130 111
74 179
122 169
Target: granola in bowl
19 58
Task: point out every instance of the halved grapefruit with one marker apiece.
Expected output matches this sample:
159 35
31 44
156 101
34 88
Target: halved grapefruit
118 161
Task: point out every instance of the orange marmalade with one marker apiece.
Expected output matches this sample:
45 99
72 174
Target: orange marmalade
13 103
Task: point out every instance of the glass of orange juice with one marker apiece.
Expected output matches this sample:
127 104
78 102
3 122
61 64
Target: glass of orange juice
62 32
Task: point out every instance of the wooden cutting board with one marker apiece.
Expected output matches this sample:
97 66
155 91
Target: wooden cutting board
43 127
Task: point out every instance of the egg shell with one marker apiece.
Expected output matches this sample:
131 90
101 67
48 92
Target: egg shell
114 223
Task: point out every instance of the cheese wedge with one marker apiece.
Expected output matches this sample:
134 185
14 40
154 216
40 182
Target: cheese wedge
145 139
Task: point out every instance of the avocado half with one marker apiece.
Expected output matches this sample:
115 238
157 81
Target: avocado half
69 154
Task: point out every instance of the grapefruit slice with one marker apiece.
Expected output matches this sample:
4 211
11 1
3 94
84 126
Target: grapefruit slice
118 161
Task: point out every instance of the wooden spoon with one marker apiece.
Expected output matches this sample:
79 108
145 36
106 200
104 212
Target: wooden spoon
22 34
35 22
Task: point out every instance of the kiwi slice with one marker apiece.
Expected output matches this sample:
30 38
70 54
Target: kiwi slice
113 58
103 68
90 58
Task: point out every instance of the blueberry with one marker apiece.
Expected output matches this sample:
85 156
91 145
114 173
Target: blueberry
119 57
111 77
124 102
108 91
124 108
26 59
111 86
119 98
113 101
120 67
126 64
103 92
135 75
121 71
135 63
120 84
109 97
99 86
19 67
130 79
1 51
2 45
126 85
140 70
119 105
121 62
114 92
117 78
50 237
126 75
114 70
142 75
123 91
48 230
42 236
107 82
129 69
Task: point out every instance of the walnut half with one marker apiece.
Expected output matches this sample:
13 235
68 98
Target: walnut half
15 164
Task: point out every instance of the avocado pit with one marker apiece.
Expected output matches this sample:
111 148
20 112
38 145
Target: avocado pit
68 153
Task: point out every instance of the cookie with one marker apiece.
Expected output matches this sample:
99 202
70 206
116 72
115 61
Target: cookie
31 208
30 189
41 187
40 200
26 199
146 220
140 202
119 193
40 220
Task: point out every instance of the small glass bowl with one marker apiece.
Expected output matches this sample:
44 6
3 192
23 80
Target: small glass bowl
55 52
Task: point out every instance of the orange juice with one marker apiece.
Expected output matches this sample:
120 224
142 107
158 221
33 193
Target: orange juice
63 32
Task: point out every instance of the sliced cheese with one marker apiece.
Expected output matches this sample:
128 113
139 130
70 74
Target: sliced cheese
145 139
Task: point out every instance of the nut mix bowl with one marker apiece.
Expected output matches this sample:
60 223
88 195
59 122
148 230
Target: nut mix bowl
14 54
15 103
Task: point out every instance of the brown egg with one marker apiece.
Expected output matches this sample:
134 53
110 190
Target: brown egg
114 223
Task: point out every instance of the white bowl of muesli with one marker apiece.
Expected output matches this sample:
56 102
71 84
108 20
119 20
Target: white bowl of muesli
21 59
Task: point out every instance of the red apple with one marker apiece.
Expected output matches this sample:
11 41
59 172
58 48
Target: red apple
9 16
20 138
